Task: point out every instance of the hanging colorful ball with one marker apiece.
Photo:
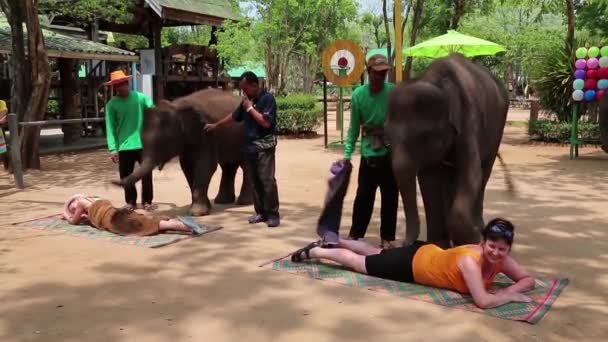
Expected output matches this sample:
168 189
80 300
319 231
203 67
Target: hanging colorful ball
578 95
578 84
599 94
592 63
589 95
580 64
604 51
603 62
579 74
591 74
602 84
581 52
594 51
591 84
602 73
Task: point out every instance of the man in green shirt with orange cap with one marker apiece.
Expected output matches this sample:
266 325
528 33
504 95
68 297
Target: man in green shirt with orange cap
368 110
124 119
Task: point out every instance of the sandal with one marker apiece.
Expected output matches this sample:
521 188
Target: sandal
297 255
190 223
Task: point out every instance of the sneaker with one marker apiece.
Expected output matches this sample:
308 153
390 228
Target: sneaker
273 221
257 218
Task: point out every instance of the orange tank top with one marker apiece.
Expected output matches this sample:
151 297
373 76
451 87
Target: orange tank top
437 267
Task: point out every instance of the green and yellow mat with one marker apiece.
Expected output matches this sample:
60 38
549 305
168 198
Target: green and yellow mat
544 295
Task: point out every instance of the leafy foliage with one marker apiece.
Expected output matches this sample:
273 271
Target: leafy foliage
559 132
87 10
297 113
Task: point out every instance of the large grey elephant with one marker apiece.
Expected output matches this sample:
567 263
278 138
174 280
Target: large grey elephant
175 128
445 129
603 121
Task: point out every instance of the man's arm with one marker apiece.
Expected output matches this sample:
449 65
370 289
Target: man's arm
225 121
471 272
262 115
353 129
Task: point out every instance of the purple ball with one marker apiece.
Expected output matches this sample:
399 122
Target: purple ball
579 74
580 64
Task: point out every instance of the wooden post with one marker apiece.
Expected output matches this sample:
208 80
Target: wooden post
15 150
158 59
325 109
398 43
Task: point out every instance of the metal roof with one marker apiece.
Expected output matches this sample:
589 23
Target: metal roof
62 46
200 11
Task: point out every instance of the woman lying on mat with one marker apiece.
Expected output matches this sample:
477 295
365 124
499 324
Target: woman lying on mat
104 216
468 269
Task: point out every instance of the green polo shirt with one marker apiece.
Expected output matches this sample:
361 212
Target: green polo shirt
366 110
124 120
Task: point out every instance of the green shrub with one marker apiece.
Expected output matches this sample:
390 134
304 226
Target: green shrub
554 131
298 113
296 101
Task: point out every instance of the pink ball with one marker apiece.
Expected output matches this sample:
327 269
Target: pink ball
580 64
590 84
592 63
599 94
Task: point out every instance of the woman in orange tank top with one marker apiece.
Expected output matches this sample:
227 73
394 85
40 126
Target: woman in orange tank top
468 269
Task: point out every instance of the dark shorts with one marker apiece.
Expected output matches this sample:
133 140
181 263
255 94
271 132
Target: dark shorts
394 264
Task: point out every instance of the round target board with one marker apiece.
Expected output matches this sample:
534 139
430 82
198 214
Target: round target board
343 62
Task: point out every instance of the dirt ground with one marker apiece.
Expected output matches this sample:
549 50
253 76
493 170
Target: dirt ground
62 288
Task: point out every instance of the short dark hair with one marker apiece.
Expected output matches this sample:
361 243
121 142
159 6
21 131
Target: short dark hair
499 229
250 77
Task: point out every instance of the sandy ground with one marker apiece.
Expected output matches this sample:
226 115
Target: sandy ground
61 288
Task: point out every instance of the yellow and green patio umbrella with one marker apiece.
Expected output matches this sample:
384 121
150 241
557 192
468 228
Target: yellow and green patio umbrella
454 42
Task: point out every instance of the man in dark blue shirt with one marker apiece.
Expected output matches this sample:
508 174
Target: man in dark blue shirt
258 112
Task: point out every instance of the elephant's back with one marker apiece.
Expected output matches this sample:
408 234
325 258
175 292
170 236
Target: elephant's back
211 104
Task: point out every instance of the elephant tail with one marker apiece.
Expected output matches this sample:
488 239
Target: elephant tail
508 179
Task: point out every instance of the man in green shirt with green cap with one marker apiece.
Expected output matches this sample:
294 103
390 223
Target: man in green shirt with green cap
124 119
368 110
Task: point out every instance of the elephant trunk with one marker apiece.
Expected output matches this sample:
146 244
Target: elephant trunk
405 174
407 188
144 169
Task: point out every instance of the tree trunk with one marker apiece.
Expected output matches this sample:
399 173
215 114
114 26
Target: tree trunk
69 100
415 26
389 52
571 19
32 74
458 14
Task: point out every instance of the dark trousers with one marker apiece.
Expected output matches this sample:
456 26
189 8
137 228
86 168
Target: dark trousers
260 168
126 165
375 172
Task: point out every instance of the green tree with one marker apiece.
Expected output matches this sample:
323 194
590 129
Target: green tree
30 67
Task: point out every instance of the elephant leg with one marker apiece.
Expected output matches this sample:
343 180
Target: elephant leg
225 194
205 167
246 194
187 168
434 188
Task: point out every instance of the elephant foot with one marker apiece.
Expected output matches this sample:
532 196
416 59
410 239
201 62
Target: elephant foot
244 200
224 199
200 209
605 148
